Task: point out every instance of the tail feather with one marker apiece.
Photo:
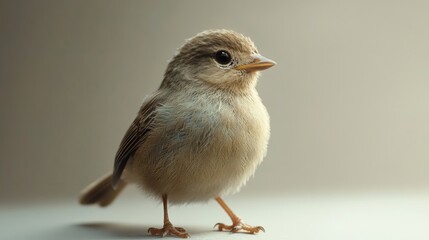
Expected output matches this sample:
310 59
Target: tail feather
101 192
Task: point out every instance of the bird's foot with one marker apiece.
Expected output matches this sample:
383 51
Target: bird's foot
169 229
239 226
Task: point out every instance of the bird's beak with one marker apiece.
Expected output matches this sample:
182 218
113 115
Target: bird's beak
259 63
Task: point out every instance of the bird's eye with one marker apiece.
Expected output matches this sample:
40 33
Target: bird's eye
222 57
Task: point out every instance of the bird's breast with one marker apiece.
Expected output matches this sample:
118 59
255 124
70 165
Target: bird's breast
234 130
205 148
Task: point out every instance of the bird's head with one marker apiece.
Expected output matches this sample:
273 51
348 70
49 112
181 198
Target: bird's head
221 58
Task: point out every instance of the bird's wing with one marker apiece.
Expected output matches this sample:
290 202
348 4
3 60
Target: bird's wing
135 136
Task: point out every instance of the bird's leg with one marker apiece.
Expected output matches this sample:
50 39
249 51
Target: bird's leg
237 224
168 228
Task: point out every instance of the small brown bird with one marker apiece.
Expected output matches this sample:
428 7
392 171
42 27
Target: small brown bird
201 135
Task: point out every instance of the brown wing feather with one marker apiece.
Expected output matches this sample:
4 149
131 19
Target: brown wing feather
134 136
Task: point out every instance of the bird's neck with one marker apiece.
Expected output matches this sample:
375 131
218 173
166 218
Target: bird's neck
176 80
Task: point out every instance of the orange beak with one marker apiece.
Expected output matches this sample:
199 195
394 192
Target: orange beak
259 63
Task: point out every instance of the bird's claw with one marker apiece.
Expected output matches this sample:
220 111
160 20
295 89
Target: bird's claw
239 226
169 229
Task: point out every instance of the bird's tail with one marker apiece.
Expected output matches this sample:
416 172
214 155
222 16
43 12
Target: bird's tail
101 192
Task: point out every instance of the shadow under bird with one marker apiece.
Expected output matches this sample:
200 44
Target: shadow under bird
201 135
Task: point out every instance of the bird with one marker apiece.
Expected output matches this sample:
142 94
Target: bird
200 136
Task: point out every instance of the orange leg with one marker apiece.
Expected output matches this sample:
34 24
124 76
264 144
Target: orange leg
168 228
237 224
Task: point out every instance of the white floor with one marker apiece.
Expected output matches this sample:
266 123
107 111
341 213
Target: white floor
297 217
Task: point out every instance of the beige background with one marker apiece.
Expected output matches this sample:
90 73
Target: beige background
349 99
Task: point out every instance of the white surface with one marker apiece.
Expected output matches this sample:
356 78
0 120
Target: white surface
315 217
